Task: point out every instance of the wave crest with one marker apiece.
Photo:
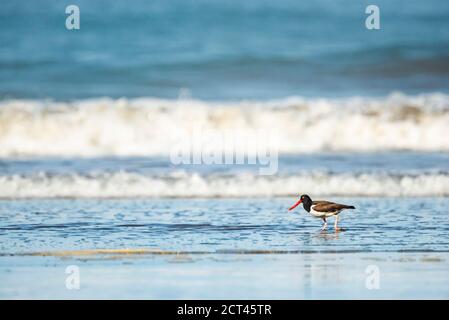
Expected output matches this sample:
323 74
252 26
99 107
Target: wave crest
148 127
180 184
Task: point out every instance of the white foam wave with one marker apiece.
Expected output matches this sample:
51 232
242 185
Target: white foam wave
148 127
180 184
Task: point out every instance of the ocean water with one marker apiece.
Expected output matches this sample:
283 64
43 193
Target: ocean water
90 119
222 50
222 226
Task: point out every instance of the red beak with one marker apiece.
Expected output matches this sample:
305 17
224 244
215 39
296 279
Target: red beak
295 205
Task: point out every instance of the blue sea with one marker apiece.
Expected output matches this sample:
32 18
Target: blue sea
218 50
89 120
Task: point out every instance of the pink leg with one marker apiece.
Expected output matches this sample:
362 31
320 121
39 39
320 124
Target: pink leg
336 222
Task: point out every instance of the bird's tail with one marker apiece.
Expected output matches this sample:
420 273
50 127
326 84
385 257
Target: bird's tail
349 207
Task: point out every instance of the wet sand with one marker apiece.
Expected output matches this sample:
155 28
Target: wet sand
137 274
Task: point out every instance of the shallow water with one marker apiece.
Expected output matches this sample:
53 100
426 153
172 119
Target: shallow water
222 249
211 225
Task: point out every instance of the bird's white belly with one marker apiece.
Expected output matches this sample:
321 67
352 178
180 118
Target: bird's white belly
319 214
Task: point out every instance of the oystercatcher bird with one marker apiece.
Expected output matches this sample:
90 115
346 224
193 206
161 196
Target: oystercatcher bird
321 209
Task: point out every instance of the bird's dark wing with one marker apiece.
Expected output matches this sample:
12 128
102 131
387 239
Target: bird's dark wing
326 206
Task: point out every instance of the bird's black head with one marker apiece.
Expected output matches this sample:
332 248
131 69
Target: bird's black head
306 202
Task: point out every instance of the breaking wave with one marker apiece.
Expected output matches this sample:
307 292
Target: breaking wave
149 127
180 184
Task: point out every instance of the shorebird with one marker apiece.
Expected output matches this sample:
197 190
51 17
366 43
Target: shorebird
321 209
